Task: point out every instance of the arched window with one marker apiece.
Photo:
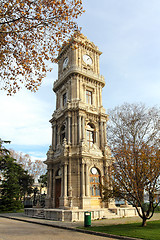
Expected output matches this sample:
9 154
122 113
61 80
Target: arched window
90 134
62 133
95 183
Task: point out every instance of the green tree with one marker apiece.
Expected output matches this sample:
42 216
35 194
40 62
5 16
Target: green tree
42 181
15 182
3 153
134 139
10 193
25 181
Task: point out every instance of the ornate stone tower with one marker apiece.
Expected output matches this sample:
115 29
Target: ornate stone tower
78 157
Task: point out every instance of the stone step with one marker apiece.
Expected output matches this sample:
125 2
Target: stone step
109 214
40 215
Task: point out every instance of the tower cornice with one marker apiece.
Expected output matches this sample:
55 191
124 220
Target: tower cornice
78 39
77 70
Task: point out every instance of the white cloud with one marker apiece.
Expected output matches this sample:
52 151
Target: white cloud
25 119
37 156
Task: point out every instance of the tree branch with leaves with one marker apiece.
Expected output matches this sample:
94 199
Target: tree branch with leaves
31 34
134 138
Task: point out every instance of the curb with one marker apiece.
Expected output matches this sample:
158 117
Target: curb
72 229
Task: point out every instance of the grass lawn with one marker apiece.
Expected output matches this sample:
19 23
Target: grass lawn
150 232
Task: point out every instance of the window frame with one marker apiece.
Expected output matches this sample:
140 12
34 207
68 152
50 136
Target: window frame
64 99
62 133
90 134
89 96
94 184
90 140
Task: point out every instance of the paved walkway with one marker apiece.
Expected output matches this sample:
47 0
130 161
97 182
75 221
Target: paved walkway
73 225
18 230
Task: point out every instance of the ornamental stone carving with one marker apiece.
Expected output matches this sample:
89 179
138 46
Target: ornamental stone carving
78 128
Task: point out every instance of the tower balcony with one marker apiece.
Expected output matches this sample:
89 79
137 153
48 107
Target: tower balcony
87 73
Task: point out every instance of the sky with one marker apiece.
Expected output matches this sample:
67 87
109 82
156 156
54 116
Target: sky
128 34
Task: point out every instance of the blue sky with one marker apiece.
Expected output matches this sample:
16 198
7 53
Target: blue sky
128 34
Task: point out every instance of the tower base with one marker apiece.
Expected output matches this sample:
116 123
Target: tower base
78 214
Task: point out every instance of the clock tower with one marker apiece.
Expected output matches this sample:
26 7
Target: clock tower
78 157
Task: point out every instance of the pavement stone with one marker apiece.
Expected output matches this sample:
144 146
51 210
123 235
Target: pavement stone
73 225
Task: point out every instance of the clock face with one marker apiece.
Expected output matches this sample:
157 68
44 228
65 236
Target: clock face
94 170
65 63
87 59
59 172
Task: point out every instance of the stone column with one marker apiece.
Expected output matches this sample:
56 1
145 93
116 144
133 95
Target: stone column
87 181
102 140
69 129
50 182
48 178
93 98
65 180
74 58
97 64
100 92
98 89
75 128
84 94
79 177
80 129
53 189
104 126
95 60
66 130
97 95
58 135
62 182
82 181
54 137
83 127
73 133
69 174
97 57
79 89
69 90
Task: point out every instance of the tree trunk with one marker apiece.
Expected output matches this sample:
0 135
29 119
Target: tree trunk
144 222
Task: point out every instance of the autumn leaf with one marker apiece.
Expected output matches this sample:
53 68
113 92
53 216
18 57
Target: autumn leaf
134 139
26 29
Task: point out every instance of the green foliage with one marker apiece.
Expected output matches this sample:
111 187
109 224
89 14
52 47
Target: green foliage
157 209
150 232
10 193
3 153
15 182
25 181
43 180
146 206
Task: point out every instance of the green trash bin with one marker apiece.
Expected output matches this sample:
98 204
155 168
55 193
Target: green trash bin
87 219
